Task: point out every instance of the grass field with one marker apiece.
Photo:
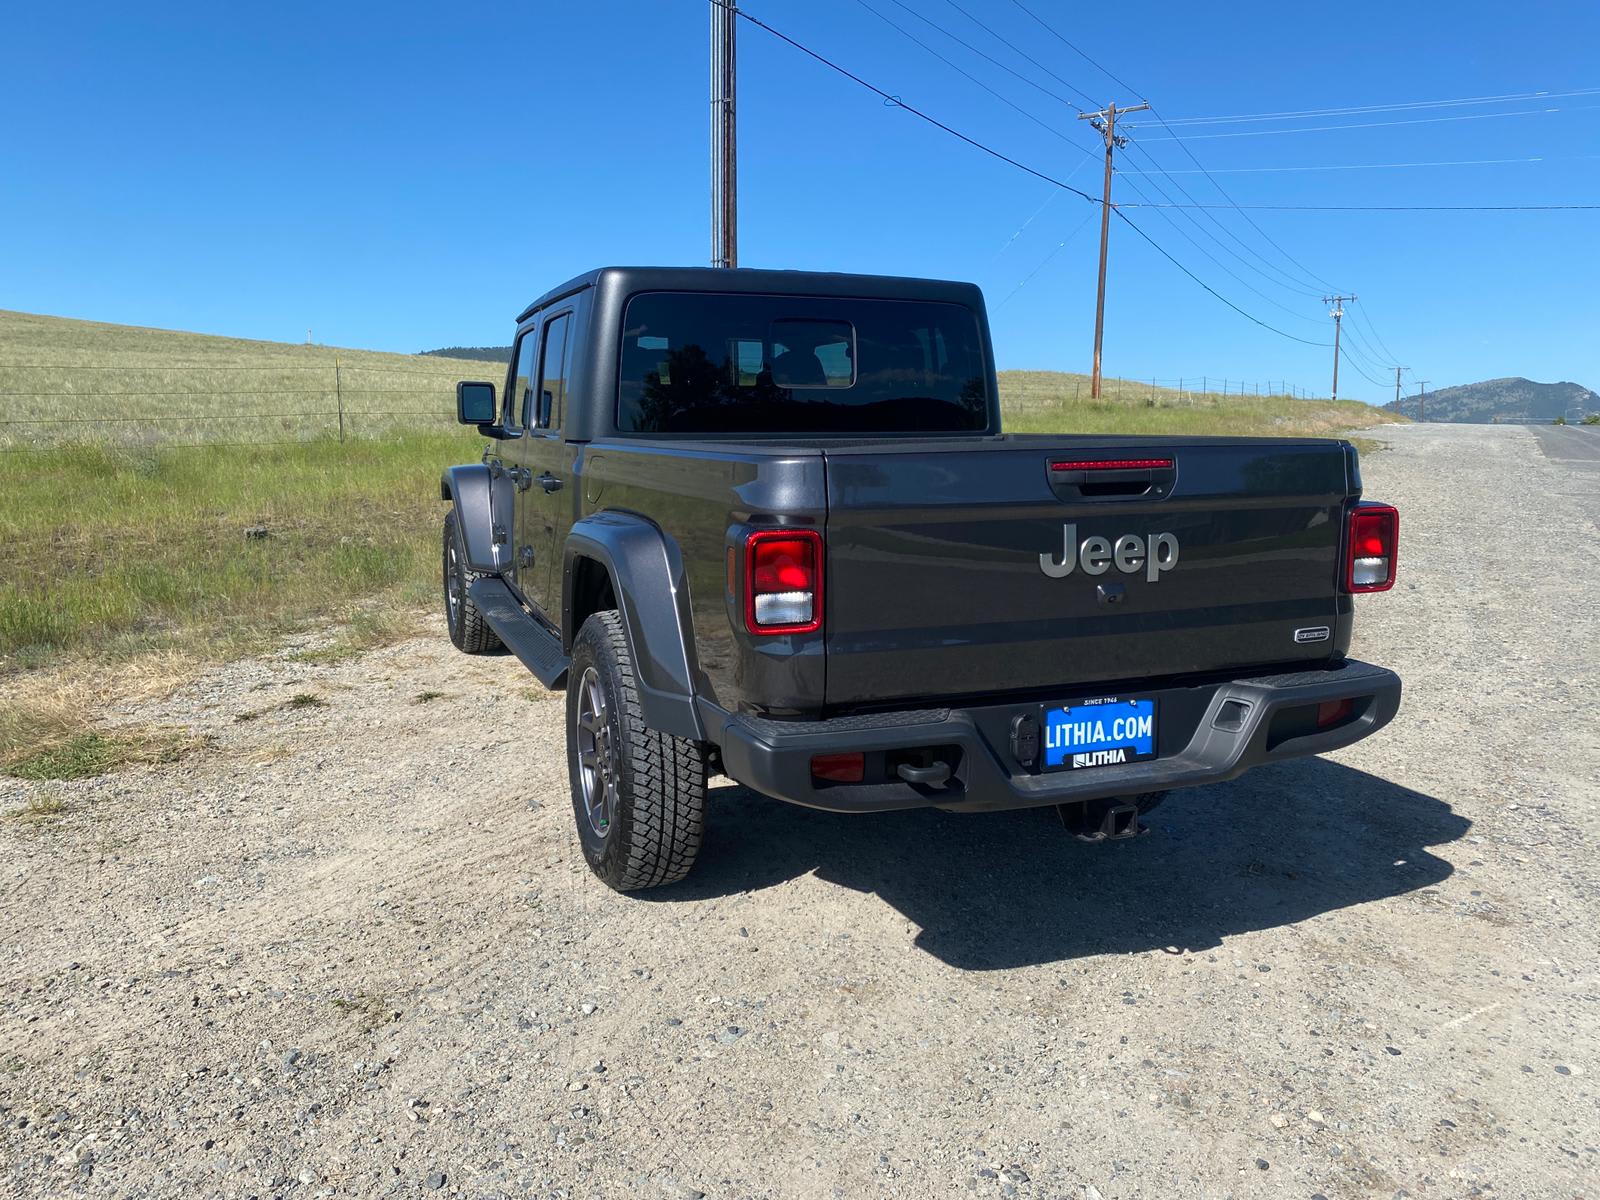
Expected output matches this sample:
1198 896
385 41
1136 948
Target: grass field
120 540
81 381
1057 402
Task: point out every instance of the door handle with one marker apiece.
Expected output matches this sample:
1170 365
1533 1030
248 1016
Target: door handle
550 483
521 477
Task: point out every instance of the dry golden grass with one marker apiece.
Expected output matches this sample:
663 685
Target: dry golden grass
51 720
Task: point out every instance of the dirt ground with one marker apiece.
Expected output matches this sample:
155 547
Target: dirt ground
353 950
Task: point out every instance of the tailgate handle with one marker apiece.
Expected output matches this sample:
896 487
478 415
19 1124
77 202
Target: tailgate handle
1111 478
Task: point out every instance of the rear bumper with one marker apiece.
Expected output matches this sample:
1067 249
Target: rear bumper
1207 733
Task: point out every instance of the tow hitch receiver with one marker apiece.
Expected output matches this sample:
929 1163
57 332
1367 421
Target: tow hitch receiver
1101 820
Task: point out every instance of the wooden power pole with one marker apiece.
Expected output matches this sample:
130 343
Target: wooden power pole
1338 303
1397 371
1106 122
724 136
1422 400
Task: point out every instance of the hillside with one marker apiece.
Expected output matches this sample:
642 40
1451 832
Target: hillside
495 354
70 380
1057 402
1514 399
64 379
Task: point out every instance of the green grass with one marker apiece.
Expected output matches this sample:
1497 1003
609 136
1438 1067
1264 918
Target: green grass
128 549
98 752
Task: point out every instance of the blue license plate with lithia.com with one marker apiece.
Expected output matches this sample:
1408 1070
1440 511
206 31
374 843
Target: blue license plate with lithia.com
1099 733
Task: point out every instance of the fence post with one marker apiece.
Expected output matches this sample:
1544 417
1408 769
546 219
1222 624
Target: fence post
338 393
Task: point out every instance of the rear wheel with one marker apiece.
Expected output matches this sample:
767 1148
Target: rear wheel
639 796
469 632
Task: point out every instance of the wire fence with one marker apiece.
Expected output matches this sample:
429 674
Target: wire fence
45 404
49 404
1028 390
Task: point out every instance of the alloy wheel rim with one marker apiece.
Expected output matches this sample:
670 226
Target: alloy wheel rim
452 586
597 773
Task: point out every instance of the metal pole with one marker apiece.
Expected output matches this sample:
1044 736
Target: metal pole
724 136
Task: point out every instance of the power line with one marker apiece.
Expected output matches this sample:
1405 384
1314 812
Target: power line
1247 316
1232 203
1015 49
1356 367
1060 246
1373 329
1461 162
1062 38
1401 106
1293 284
1219 264
897 102
1522 112
1387 207
906 33
932 24
1006 158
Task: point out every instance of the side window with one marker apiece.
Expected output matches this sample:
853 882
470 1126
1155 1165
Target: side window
519 399
552 393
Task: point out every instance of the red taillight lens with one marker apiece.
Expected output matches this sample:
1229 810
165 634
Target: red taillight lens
1372 546
839 768
1334 712
783 581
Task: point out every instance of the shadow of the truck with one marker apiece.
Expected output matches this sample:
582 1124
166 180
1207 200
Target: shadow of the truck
1279 845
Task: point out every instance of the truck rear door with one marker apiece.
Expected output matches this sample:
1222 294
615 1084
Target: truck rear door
1035 564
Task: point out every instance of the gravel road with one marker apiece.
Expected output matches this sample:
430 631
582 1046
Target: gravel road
352 950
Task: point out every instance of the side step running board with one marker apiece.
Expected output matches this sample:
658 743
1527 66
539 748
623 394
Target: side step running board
528 639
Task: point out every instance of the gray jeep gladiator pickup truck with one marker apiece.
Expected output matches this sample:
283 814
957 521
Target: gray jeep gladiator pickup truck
765 523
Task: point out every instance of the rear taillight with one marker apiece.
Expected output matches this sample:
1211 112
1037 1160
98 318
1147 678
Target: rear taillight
783 581
1372 543
839 768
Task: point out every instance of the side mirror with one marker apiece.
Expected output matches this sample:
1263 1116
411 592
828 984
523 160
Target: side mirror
475 403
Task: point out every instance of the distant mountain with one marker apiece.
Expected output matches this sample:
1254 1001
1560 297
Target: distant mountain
499 354
1507 399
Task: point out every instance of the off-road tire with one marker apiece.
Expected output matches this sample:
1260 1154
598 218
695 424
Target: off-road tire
657 811
469 632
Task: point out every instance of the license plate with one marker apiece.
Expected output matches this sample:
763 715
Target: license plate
1099 733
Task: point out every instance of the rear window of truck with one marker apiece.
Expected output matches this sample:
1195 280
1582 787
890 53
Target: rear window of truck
712 363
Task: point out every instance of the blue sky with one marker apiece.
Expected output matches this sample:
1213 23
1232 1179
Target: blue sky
401 176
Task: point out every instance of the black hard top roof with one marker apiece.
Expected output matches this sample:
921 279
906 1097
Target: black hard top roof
745 279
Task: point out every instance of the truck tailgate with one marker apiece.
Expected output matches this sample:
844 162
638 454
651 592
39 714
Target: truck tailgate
936 564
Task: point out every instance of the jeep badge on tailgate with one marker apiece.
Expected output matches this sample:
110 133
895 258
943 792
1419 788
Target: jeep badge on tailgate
1155 553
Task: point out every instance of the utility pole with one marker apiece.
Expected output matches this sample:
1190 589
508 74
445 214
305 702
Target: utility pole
1106 122
724 136
1397 371
1422 400
1338 303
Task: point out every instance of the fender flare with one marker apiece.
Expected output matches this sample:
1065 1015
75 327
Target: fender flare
648 579
479 493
